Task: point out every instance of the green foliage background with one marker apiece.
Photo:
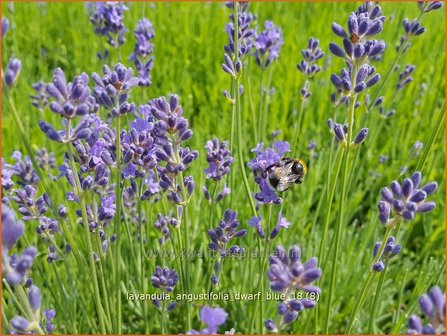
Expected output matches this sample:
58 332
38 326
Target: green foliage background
188 56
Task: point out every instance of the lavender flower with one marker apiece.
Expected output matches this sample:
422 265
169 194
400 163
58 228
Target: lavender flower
107 19
30 206
432 306
405 200
40 98
255 222
341 134
111 90
73 99
416 148
221 237
311 55
282 223
12 229
144 63
267 45
23 169
286 274
358 49
139 150
219 159
49 315
428 6
405 76
234 58
12 72
213 318
413 28
164 278
5 26
390 250
365 23
162 225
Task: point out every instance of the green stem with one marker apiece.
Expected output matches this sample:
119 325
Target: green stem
118 225
366 284
432 137
297 130
261 102
163 312
263 258
237 98
329 206
344 183
87 234
372 325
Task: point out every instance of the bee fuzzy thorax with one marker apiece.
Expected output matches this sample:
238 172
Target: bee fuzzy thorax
285 173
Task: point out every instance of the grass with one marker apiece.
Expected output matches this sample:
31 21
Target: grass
188 54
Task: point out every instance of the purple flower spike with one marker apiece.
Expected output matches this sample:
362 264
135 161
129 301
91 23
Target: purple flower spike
142 58
20 324
288 273
111 90
12 229
12 72
267 45
308 65
213 318
432 306
413 28
405 76
406 200
219 159
5 26
227 230
107 19
233 59
390 250
282 223
428 6
164 278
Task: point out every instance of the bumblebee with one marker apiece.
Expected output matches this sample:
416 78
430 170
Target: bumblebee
286 172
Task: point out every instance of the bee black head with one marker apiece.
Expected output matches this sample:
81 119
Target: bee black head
298 169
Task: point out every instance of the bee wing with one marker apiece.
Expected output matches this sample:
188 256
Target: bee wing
285 176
